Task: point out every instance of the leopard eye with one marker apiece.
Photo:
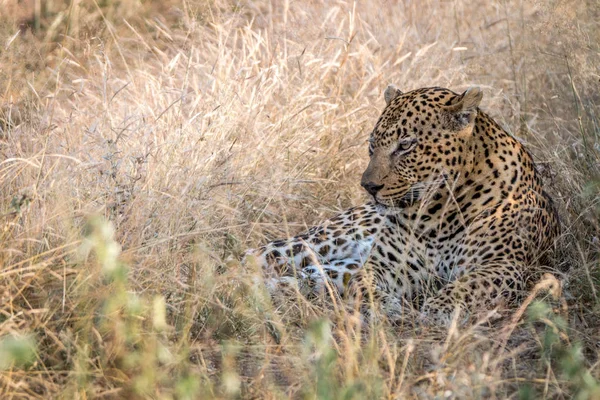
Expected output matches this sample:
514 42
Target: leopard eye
370 140
404 146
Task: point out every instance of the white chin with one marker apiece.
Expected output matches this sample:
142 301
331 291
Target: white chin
386 210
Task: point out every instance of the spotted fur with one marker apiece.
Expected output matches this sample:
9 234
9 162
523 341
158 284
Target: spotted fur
457 207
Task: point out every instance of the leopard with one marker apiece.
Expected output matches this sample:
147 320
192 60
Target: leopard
457 221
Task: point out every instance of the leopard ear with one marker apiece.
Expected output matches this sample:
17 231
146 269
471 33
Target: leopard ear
391 92
464 111
471 98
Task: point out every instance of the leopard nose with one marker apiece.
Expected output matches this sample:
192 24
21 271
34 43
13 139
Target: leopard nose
371 187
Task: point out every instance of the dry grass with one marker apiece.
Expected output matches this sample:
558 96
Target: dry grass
200 129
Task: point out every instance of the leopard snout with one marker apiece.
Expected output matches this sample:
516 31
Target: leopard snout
371 188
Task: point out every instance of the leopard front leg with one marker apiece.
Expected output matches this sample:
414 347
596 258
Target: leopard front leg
337 275
333 251
386 288
479 288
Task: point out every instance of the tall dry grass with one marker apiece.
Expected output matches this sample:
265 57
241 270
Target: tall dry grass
142 144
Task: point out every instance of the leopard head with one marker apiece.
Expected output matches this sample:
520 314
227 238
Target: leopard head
420 142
